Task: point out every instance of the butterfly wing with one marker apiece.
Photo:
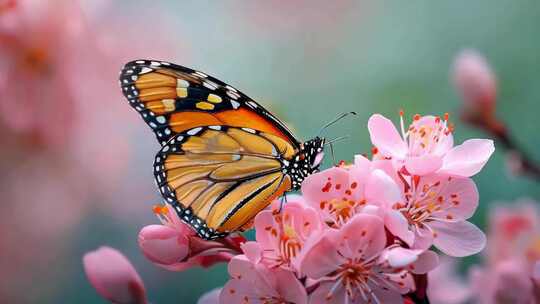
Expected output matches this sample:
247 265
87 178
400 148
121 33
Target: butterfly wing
173 98
218 177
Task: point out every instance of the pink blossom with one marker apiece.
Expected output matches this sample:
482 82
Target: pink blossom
427 146
475 81
281 235
353 264
339 193
509 281
113 276
175 246
514 231
436 208
253 282
509 274
445 286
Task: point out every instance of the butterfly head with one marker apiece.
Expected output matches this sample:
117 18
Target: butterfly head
306 161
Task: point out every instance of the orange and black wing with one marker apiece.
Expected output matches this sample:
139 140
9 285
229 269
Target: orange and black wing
219 177
172 98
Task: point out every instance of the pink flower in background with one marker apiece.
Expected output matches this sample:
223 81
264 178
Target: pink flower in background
37 48
351 265
427 146
281 235
509 274
253 282
113 276
175 245
514 231
475 82
445 286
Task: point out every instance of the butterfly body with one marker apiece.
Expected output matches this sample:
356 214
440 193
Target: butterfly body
224 157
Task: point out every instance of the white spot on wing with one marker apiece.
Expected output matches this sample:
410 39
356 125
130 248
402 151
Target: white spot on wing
194 131
145 70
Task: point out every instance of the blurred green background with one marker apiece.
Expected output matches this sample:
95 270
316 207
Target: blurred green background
307 61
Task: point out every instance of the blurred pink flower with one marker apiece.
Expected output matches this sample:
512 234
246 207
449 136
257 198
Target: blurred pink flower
475 81
445 286
352 264
436 208
113 276
37 44
509 274
281 235
427 146
509 281
253 282
514 231
175 245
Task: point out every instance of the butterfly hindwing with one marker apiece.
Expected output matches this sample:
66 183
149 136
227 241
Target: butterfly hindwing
218 177
173 98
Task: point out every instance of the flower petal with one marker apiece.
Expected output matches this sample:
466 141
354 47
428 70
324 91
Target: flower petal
382 190
385 137
400 257
458 239
468 158
289 288
325 185
398 225
426 262
423 165
362 235
253 251
320 256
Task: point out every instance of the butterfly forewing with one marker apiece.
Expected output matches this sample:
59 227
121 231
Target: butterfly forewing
173 98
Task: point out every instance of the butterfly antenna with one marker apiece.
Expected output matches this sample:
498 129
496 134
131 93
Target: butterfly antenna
333 140
333 155
333 121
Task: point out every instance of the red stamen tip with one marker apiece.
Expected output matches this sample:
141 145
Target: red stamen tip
417 117
446 116
374 150
401 113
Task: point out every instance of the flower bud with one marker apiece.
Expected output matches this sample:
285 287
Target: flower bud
113 276
163 245
475 81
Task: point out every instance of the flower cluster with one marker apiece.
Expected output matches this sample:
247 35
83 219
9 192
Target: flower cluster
359 233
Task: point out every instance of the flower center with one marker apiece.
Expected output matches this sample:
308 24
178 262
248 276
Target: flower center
427 203
424 137
289 243
354 276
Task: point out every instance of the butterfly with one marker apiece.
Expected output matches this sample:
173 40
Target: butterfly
223 157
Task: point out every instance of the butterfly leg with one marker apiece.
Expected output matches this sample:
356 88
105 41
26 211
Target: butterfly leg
282 202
